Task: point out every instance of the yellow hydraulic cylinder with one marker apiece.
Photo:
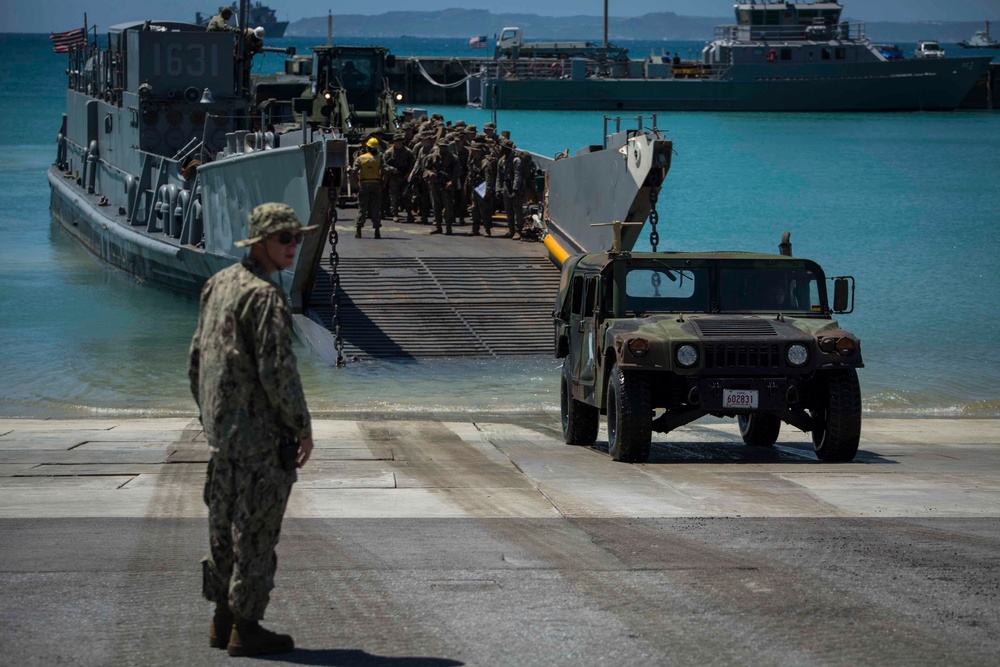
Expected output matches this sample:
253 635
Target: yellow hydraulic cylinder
556 250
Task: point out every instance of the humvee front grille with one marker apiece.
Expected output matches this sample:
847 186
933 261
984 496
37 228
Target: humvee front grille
744 326
742 356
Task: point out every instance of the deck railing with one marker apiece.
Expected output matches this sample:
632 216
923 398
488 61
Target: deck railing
790 33
555 69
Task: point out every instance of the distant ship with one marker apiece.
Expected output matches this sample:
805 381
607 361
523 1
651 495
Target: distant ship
981 40
780 56
260 15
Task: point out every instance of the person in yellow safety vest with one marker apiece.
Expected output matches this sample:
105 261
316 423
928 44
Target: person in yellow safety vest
368 168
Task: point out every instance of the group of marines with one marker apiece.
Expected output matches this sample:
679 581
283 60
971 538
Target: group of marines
448 171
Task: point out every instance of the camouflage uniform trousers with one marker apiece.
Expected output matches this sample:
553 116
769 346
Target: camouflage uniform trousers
481 211
420 199
246 503
443 200
397 201
461 203
369 204
513 205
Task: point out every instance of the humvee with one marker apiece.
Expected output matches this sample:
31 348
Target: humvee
656 340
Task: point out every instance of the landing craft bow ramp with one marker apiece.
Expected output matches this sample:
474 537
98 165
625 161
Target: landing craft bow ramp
412 294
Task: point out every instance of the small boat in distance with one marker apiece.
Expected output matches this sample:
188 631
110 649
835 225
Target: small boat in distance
981 40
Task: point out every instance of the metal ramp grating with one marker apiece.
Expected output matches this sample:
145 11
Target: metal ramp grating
441 306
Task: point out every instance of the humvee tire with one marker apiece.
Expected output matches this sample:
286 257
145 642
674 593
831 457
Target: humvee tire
759 429
837 437
630 416
579 420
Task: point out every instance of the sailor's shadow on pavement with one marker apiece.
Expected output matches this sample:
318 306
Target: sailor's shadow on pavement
355 658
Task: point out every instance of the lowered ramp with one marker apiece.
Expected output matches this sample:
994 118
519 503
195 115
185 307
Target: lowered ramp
412 294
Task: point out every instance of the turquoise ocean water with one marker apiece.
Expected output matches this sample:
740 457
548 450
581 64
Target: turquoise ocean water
908 203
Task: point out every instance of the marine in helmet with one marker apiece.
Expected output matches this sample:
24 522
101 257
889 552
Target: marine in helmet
368 170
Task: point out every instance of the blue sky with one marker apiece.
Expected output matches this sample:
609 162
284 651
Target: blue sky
56 15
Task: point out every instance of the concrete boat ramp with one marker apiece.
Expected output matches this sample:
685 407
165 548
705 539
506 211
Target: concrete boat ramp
413 294
484 540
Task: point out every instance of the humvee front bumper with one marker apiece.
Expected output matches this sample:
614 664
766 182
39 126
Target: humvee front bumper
742 394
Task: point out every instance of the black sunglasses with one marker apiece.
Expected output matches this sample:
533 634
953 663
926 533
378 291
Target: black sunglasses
284 238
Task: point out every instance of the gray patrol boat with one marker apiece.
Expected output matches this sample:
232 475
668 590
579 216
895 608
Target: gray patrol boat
779 56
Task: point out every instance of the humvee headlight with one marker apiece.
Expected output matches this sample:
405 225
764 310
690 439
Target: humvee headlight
638 346
687 356
398 97
797 355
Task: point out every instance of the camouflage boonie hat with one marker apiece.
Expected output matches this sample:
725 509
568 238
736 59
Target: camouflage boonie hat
399 136
490 126
269 219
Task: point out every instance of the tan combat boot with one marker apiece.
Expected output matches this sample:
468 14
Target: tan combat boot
221 627
249 638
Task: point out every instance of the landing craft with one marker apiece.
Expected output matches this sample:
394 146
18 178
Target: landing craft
160 157
164 150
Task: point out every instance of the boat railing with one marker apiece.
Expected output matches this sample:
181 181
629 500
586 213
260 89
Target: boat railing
820 32
561 69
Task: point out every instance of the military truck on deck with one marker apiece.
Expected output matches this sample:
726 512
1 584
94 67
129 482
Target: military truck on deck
656 340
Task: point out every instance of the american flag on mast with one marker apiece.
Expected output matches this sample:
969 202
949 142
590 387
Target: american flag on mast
62 42
478 42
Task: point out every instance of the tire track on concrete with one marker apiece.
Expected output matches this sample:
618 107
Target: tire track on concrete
780 612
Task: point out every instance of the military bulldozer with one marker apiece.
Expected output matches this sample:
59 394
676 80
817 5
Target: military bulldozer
340 89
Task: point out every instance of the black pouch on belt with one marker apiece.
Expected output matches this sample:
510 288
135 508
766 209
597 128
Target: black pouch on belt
288 452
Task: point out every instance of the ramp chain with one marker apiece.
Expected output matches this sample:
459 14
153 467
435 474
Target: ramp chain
654 217
334 275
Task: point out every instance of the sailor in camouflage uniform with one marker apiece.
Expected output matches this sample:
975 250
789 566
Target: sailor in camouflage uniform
481 208
511 186
219 22
419 192
397 163
443 177
244 379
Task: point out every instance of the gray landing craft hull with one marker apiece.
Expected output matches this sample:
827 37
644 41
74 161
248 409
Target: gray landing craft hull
931 85
230 188
184 269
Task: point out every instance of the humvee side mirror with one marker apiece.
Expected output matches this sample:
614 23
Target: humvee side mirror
390 61
843 294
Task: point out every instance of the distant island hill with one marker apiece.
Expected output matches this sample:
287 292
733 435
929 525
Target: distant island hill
656 26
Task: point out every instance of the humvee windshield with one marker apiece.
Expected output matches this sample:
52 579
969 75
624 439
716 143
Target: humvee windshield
663 290
666 290
784 290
